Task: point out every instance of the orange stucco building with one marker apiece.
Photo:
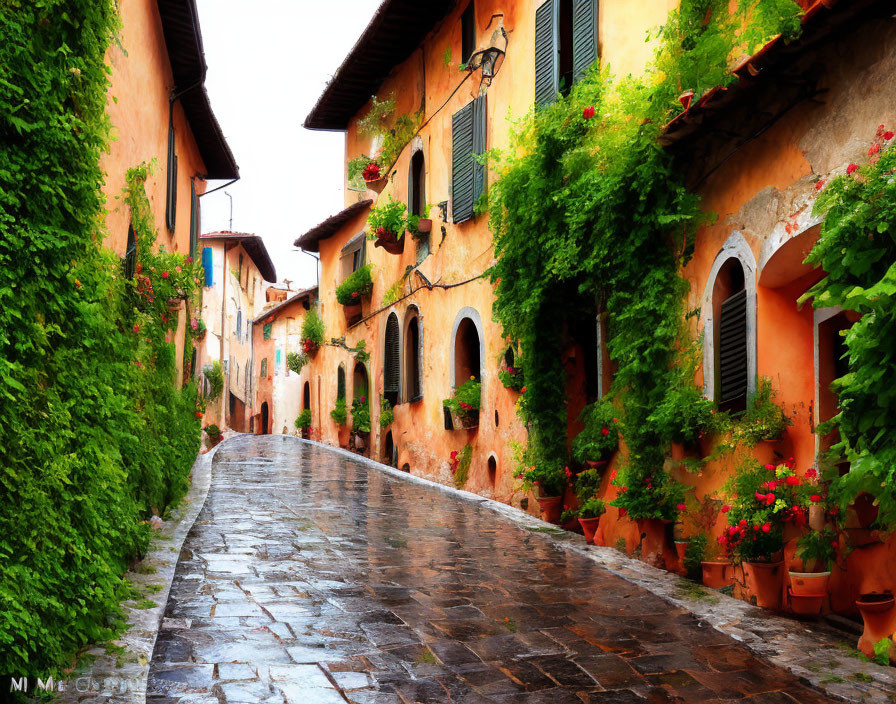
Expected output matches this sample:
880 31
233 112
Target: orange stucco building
161 115
753 152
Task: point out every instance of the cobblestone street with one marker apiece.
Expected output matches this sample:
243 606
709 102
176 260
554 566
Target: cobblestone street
310 578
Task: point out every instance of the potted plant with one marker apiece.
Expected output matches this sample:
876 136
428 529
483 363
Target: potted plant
349 294
550 482
464 405
296 361
387 224
200 329
312 332
818 551
600 438
360 416
303 423
214 434
387 415
589 516
763 421
369 170
419 225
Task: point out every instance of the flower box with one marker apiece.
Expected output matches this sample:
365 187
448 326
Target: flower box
389 241
465 421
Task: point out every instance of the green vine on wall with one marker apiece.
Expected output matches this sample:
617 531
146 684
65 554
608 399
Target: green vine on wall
85 396
589 214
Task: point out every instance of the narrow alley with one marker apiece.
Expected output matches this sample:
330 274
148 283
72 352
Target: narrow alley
310 577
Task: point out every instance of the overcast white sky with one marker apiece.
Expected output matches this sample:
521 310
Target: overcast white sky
268 61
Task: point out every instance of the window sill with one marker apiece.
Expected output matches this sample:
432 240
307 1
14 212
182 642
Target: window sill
416 399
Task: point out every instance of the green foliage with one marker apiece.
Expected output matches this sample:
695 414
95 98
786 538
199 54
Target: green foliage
361 415
86 395
339 412
357 165
375 122
460 465
694 554
857 249
212 430
656 495
295 361
587 485
882 651
355 287
215 376
535 471
818 549
683 415
303 421
361 353
600 437
592 508
590 208
763 419
393 293
313 328
386 413
513 377
413 222
467 398
388 217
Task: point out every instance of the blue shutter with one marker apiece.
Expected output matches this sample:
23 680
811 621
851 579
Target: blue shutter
277 363
208 266
584 36
462 164
479 142
547 78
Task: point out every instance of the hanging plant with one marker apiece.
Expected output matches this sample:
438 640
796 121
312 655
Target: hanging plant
356 286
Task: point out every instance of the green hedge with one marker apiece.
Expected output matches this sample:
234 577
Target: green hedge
86 378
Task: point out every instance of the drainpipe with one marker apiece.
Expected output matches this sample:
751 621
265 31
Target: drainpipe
225 395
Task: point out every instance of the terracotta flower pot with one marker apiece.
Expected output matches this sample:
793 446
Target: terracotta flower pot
717 574
764 581
377 185
465 421
681 547
809 583
880 620
806 604
551 508
352 311
391 242
424 226
572 526
589 526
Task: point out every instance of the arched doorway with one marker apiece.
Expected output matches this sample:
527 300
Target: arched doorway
264 418
360 408
467 352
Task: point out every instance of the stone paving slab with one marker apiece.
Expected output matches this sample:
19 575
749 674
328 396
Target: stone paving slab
309 578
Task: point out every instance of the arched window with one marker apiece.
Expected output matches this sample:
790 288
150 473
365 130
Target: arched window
264 367
392 361
729 314
417 198
340 382
467 352
239 324
413 354
306 396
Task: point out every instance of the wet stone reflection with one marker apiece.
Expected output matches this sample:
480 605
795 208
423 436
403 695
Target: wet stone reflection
310 578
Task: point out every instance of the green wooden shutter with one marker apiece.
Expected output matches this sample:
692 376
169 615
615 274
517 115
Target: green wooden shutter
266 330
411 185
547 79
584 36
171 194
733 365
392 366
462 163
479 143
194 219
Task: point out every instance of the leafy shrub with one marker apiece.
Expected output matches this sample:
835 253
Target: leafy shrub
587 485
339 412
549 479
683 415
303 422
763 419
467 398
361 415
386 413
213 431
818 550
313 329
460 465
215 376
694 555
296 361
387 218
655 494
600 437
355 287
592 508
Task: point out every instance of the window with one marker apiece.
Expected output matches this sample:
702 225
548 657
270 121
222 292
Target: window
729 302
392 364
264 367
412 354
194 219
354 254
130 254
565 45
171 193
340 382
468 32
417 199
239 274
468 127
266 330
239 324
467 349
208 266
277 363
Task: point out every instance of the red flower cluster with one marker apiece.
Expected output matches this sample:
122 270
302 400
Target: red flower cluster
605 431
144 285
852 168
588 112
466 406
371 172
164 274
308 345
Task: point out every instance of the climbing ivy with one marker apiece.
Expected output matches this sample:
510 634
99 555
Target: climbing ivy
87 376
857 249
590 214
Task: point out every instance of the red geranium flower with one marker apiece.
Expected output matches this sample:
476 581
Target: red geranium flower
811 473
523 390
681 507
605 431
888 136
136 328
588 112
770 467
199 414
815 498
726 508
766 527
852 168
819 184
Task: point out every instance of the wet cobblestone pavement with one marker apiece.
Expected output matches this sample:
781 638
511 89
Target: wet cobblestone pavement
309 578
